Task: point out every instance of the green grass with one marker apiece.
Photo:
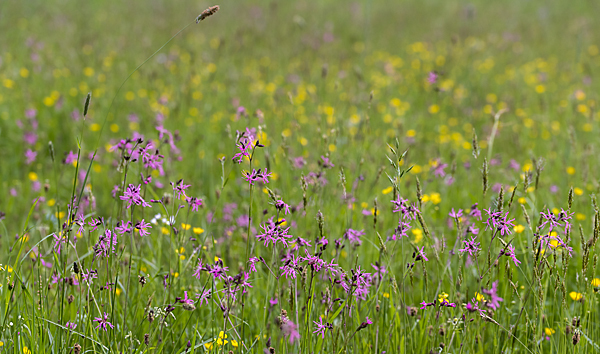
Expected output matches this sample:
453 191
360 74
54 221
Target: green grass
343 80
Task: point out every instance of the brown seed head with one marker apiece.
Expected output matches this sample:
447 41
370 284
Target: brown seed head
206 13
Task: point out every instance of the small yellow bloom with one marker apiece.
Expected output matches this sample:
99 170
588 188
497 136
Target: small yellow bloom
186 226
549 331
571 170
216 259
26 350
386 295
198 230
575 296
519 228
479 297
33 176
387 190
118 291
578 191
596 282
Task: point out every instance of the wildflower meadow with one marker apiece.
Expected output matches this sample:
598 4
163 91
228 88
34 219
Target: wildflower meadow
299 177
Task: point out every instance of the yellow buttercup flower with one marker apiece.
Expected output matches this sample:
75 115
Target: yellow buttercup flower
575 296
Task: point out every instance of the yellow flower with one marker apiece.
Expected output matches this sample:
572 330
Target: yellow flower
571 170
387 190
208 346
549 331
386 295
435 198
519 228
578 191
198 230
479 297
418 235
442 296
575 296
596 282
185 226
234 343
26 350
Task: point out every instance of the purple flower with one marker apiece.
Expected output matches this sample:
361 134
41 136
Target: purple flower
432 77
218 271
511 253
446 303
475 213
555 221
456 215
354 236
494 302
71 157
514 165
282 206
71 325
473 229
299 162
471 247
253 262
143 226
206 294
194 203
408 211
425 305
401 230
379 270
185 300
179 188
30 156
421 255
274 233
199 268
290 268
245 144
58 241
257 176
123 227
439 169
320 327
325 162
473 306
497 222
89 275
106 243
290 331
132 196
103 322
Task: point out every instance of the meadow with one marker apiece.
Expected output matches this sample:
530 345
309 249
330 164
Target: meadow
299 177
